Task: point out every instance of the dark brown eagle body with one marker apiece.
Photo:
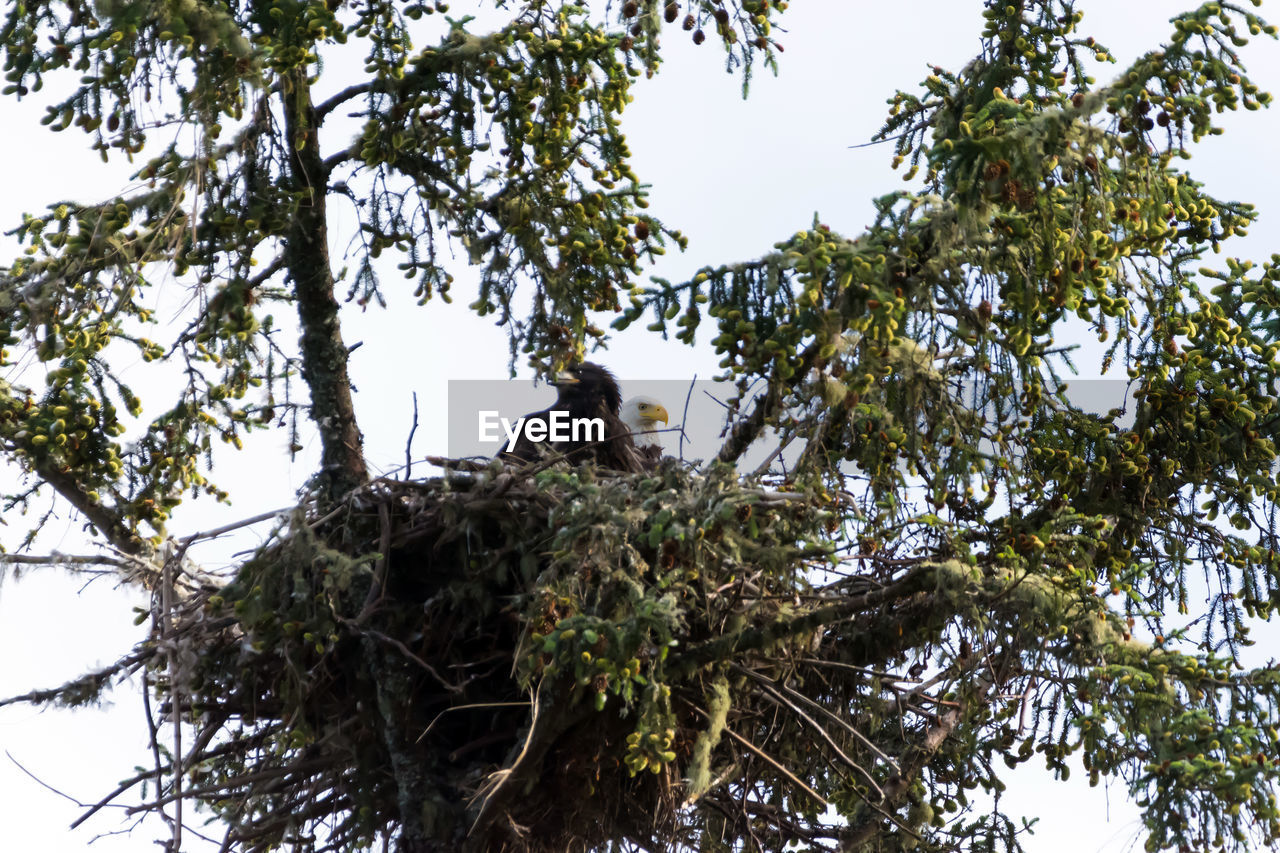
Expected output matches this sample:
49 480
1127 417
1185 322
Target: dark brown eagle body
583 392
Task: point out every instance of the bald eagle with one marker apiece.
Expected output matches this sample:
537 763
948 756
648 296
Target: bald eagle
583 424
641 415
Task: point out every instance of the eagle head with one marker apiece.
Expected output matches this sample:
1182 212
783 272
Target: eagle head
642 415
588 382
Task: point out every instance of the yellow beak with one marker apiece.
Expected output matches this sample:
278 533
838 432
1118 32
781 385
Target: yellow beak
659 413
564 377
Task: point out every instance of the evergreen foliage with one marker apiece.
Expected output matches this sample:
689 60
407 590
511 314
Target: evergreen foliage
960 568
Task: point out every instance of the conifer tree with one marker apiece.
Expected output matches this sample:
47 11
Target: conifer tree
959 569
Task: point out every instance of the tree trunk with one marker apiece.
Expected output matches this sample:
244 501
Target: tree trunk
324 355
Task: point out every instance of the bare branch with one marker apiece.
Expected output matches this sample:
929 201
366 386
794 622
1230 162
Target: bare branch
759 753
914 760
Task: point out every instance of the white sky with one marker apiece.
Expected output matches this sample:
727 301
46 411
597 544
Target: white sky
735 176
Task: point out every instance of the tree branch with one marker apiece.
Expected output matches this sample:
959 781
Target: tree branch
109 521
913 761
745 432
57 559
84 689
759 638
334 101
324 355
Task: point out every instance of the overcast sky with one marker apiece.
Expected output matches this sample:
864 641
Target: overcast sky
735 176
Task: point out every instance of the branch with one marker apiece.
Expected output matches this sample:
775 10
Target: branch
202 740
41 782
336 159
745 432
110 522
84 688
223 790
914 760
768 685
404 650
337 100
232 526
774 685
57 559
90 811
408 442
759 753
324 355
756 638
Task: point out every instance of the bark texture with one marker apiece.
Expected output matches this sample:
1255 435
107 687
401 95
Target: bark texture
324 354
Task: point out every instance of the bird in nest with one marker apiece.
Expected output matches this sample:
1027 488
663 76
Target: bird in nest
642 416
583 425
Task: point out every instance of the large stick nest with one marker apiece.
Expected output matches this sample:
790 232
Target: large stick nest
495 661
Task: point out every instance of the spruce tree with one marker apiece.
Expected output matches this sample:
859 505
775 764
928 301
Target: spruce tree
960 568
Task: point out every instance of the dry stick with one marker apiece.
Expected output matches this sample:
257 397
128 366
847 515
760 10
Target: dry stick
191 831
404 650
920 687
925 697
470 707
227 839
447 463
378 583
684 417
754 808
107 800
496 780
862 669
57 559
270 774
723 777
330 515
798 695
1026 700
294 813
408 442
166 595
99 805
762 755
823 733
41 782
902 716
344 504
235 525
919 756
103 803
193 755
153 732
763 467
